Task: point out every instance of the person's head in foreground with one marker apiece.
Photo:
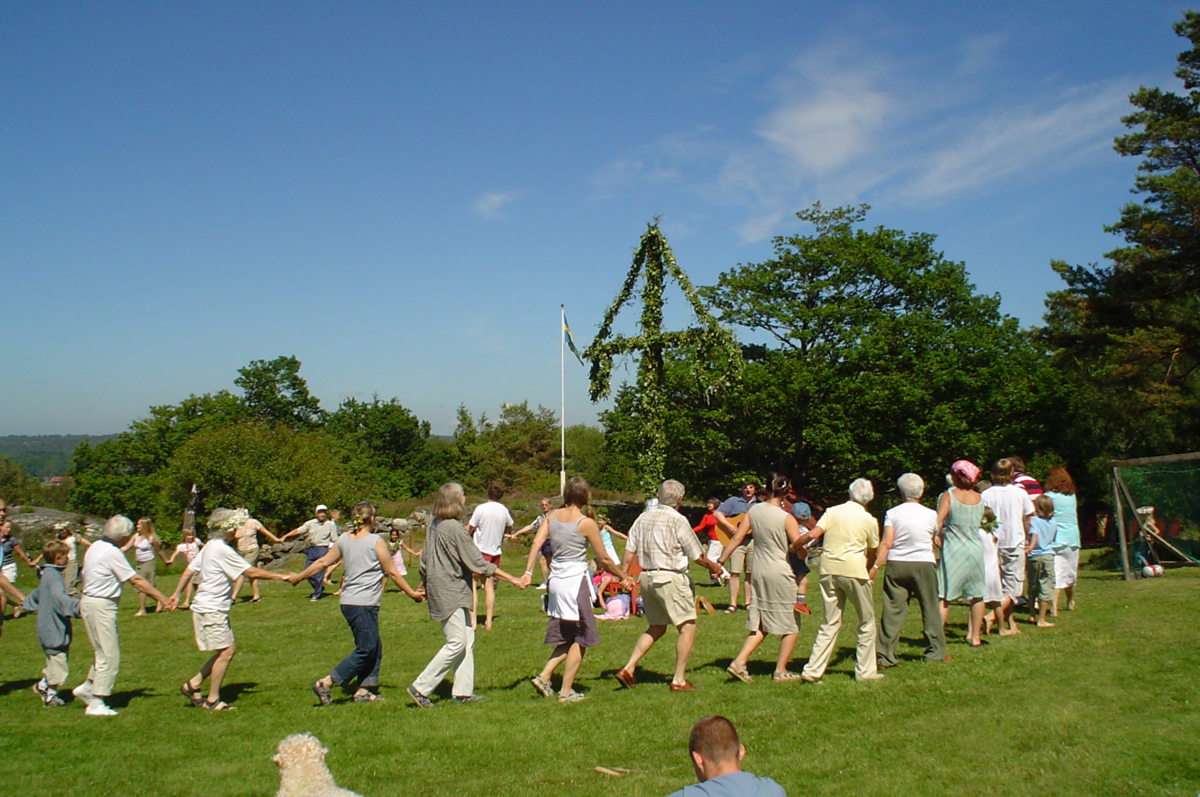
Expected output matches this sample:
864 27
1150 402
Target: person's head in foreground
714 748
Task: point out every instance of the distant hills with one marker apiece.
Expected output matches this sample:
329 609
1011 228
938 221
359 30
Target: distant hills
45 455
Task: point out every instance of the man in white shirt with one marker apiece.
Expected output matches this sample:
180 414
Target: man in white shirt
1013 509
663 541
219 567
105 569
907 549
489 523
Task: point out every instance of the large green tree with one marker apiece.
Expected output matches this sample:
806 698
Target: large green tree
123 474
276 393
390 447
279 473
1126 333
872 355
520 448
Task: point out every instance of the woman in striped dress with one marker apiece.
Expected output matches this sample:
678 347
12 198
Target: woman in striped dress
960 569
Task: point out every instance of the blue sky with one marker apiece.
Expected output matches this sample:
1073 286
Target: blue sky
401 195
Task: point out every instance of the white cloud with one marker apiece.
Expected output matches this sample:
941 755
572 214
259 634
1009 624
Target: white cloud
1020 143
491 204
844 123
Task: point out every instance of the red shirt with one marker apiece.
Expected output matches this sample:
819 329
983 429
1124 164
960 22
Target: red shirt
707 523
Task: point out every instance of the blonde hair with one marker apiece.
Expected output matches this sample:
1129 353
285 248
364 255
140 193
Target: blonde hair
145 527
363 514
55 550
450 501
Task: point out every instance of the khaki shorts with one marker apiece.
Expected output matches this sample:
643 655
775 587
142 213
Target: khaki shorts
146 570
742 559
212 630
1012 571
668 598
251 556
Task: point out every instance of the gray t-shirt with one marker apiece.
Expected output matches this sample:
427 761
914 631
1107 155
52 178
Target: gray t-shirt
362 582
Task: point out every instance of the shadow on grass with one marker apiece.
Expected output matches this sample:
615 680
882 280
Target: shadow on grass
8 687
123 699
231 692
643 676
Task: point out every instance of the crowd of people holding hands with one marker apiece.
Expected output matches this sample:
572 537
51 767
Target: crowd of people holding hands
1003 547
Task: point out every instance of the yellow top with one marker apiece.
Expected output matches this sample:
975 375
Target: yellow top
850 530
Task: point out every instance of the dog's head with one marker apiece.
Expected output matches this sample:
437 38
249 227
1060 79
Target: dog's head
299 748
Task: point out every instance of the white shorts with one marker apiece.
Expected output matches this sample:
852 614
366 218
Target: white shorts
1066 567
10 571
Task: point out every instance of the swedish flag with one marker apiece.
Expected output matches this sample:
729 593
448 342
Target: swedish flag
567 337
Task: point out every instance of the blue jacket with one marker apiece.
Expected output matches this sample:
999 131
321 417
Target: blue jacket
54 608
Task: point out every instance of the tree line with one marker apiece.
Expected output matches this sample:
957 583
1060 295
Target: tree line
864 352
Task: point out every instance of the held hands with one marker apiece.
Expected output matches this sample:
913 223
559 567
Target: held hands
524 581
172 603
418 596
292 578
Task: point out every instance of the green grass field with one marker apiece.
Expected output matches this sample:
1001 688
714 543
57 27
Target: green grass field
1105 703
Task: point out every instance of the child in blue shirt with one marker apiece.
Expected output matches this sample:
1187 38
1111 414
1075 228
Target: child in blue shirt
54 608
1039 560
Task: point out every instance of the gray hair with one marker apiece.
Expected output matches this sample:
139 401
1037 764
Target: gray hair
670 493
217 528
861 491
911 486
117 527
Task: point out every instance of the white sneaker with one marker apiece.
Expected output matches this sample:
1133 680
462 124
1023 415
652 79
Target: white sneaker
99 709
84 692
542 585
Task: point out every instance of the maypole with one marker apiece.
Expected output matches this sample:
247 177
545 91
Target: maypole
562 396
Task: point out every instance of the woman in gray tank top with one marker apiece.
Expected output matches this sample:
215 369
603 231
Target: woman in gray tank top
367 562
572 627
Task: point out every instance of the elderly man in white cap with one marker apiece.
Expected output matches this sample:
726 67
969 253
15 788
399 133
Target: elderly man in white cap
321 533
105 569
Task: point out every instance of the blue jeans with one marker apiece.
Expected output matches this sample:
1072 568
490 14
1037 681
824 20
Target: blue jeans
312 554
363 662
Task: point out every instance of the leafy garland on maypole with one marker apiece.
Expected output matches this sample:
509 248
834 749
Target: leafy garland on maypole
709 342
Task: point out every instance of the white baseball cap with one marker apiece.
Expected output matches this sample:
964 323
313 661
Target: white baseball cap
321 508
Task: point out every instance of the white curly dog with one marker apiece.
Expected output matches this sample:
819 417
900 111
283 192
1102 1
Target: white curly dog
302 771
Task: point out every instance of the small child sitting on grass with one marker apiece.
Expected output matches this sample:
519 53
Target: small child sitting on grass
1039 560
54 608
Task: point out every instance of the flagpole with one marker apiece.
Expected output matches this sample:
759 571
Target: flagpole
562 393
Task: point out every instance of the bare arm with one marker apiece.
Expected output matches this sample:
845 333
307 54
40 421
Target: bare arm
591 533
184 580
536 548
8 588
885 545
389 570
614 532
17 550
145 587
330 558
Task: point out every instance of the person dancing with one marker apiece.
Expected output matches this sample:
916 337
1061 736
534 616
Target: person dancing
448 561
366 564
773 588
571 627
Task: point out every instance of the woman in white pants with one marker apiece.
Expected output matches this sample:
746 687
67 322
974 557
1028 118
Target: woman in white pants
450 552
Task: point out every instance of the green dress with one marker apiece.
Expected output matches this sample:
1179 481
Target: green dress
960 572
